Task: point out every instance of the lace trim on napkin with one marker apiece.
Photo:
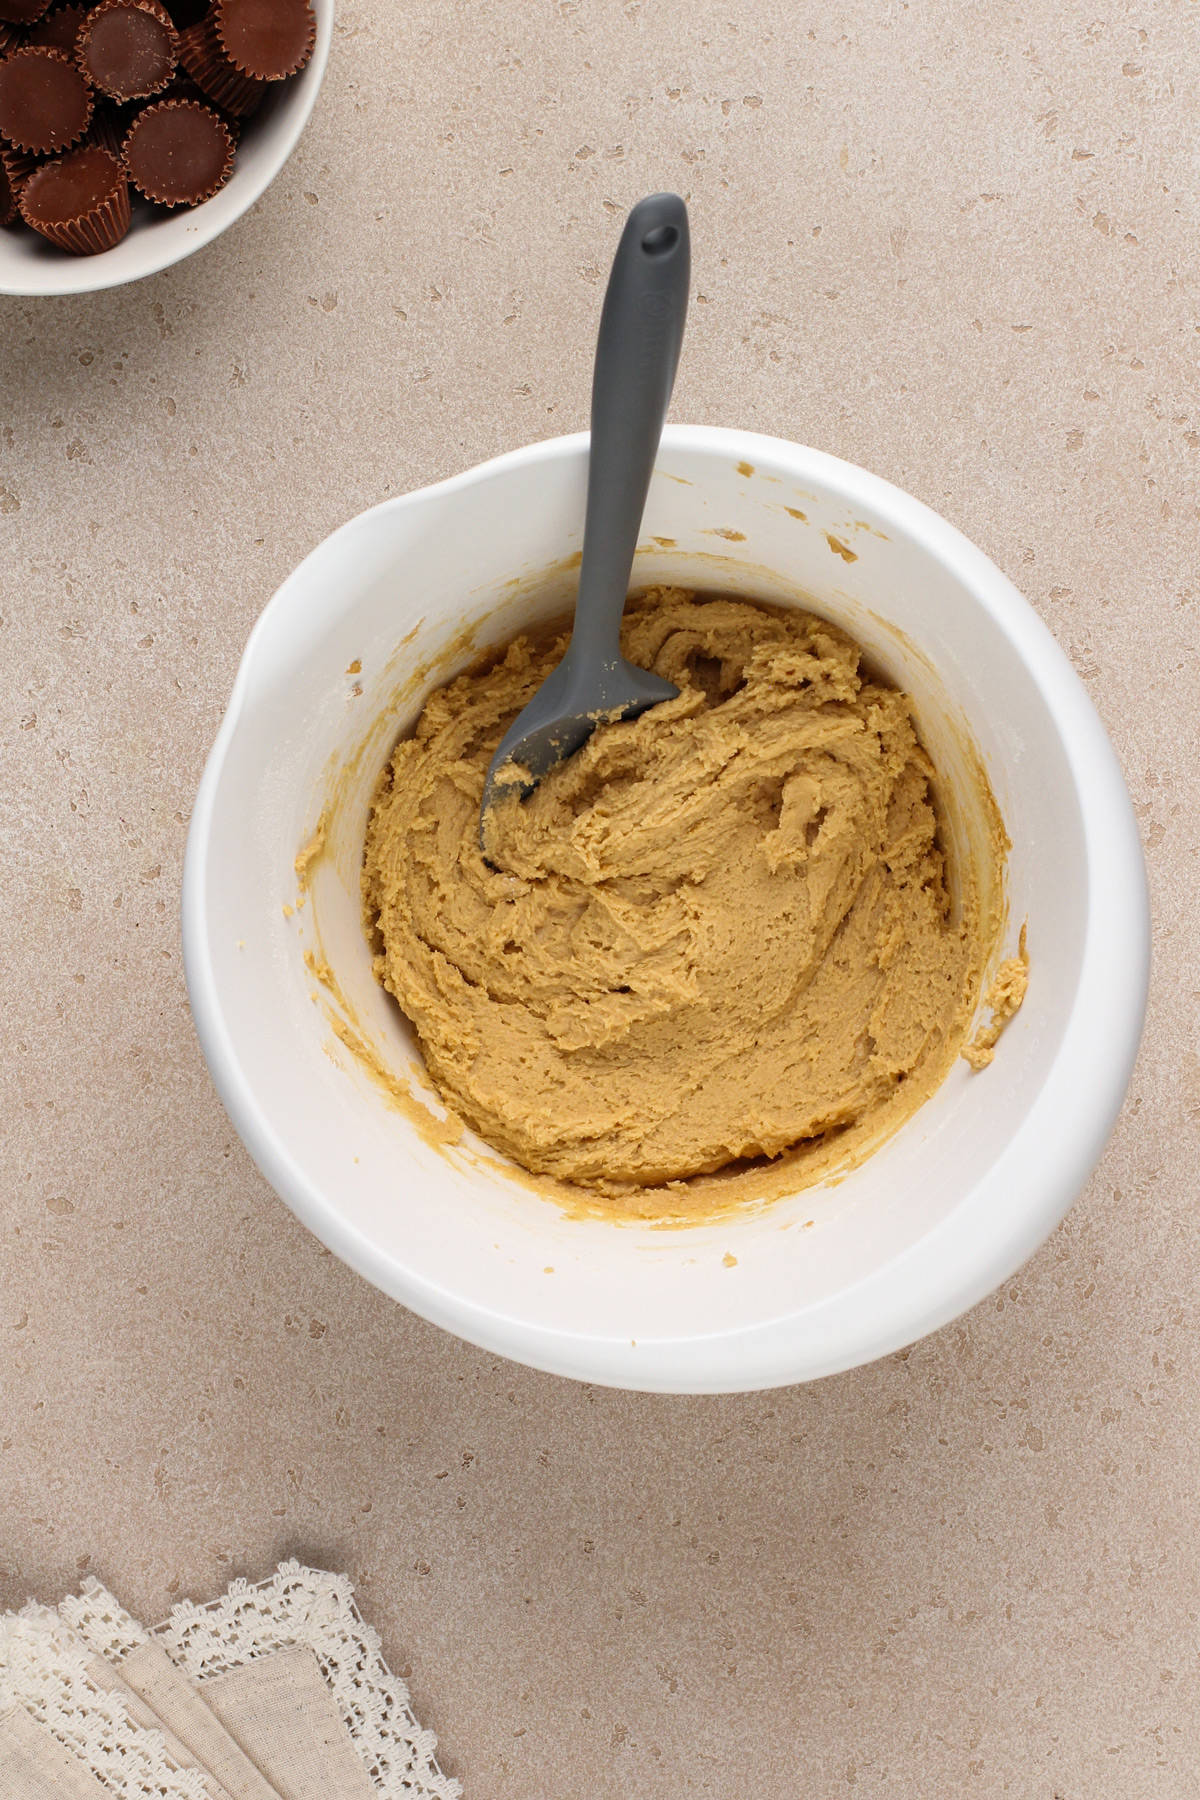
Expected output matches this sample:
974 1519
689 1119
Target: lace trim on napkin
107 1629
44 1668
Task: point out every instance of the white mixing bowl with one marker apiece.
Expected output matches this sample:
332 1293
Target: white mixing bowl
826 1278
30 265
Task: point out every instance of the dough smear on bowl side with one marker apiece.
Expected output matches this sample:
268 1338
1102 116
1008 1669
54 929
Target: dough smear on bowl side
719 933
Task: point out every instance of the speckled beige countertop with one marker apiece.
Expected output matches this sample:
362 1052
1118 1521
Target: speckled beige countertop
959 244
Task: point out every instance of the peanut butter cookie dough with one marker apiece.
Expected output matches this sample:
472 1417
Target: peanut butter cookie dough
719 932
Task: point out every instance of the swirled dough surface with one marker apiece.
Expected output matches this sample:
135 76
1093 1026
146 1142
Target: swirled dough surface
719 932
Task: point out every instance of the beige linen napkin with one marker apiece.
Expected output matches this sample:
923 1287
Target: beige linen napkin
260 1658
269 1730
273 1692
159 1697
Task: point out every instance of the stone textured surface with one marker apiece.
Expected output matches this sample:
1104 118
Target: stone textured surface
955 243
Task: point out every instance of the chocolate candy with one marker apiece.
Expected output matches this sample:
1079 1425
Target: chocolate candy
200 53
58 30
128 48
265 39
178 152
79 201
45 104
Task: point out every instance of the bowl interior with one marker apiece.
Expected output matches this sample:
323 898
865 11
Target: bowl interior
409 593
157 239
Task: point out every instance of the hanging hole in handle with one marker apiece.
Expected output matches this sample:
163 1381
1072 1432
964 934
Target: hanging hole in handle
660 240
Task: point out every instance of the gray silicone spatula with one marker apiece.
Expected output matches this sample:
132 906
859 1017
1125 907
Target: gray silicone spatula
637 352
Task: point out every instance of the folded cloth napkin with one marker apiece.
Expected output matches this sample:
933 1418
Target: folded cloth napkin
277 1691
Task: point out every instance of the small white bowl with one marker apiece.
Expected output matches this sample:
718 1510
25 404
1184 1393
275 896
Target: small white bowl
30 265
828 1277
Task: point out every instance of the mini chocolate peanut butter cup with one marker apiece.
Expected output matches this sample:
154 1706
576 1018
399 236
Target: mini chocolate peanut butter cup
266 39
179 153
8 200
58 30
45 104
202 57
128 48
79 201
22 12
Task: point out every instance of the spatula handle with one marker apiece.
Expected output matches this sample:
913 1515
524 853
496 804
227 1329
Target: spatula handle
637 353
